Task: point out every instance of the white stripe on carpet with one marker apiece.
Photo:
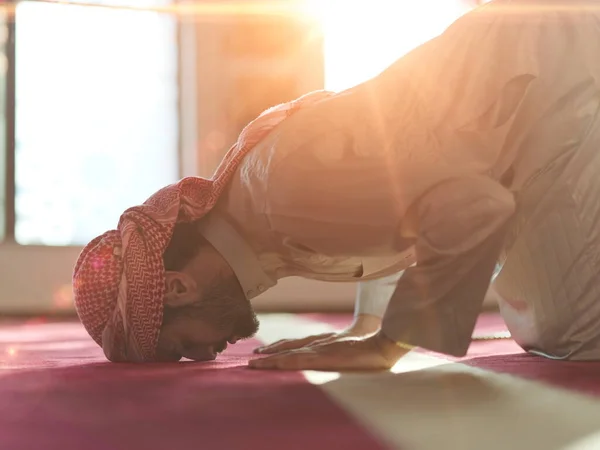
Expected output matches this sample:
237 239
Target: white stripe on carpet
430 403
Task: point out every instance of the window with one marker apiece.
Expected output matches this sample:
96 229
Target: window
96 119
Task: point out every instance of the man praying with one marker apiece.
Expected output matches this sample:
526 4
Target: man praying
478 149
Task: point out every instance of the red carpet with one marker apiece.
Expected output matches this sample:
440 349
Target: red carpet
505 356
57 392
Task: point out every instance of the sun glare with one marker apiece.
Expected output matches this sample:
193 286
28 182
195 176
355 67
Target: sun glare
363 37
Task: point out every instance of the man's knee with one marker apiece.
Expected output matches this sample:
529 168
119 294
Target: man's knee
564 338
566 341
549 332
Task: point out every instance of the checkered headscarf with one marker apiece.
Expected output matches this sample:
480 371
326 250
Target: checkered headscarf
119 277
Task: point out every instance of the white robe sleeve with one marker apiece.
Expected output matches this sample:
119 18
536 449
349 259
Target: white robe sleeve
461 230
372 297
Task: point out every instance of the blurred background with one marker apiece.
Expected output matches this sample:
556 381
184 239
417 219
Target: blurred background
104 102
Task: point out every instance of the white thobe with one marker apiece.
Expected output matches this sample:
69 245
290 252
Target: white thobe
420 170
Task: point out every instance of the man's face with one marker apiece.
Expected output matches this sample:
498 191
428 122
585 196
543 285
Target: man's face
200 332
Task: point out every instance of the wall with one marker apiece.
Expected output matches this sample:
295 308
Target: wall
244 66
36 279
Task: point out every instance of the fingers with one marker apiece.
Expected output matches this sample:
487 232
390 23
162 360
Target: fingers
312 360
297 360
290 344
338 356
324 341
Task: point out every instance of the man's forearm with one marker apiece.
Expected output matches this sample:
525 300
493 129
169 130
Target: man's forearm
461 233
442 320
372 297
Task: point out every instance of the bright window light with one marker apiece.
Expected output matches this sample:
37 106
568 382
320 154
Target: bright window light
363 37
96 117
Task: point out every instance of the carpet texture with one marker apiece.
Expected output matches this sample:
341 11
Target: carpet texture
58 392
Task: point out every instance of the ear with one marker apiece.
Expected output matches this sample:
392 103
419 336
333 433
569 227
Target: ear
181 289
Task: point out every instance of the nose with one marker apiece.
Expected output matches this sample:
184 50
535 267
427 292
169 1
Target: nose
233 340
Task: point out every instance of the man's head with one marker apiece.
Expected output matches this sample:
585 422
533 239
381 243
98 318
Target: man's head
205 306
137 309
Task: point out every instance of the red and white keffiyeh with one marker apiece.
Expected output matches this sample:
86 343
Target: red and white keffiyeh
119 277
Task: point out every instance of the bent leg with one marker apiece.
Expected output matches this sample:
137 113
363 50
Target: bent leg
549 286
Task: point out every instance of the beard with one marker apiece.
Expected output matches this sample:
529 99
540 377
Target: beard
226 307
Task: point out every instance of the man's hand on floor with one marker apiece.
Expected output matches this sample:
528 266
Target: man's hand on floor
364 325
376 352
